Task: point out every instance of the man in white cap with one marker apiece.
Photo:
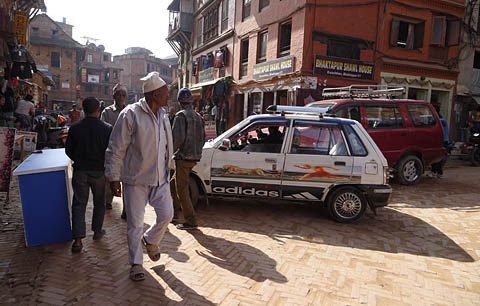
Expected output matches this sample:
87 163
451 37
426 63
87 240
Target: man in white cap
110 115
139 155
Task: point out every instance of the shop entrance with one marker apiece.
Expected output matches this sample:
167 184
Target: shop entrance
439 100
238 108
267 101
282 97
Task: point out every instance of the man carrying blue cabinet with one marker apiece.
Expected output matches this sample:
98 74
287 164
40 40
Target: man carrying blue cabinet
86 144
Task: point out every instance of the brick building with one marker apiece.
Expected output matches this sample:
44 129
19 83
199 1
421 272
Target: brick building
138 62
57 55
98 74
286 52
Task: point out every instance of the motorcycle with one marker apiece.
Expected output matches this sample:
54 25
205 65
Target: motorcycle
468 151
473 146
52 137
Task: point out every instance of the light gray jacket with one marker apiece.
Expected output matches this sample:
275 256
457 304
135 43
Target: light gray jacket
132 153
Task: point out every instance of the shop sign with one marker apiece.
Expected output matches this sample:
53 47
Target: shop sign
65 85
205 75
84 75
210 129
7 139
342 67
93 78
20 28
43 68
273 68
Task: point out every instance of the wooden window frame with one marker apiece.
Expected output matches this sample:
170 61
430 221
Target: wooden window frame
261 58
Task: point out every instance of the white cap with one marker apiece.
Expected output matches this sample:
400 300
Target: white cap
152 81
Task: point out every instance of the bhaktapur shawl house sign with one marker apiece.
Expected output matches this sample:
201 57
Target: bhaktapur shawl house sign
343 67
273 68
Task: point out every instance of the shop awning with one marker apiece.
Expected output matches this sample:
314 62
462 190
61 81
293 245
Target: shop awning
199 85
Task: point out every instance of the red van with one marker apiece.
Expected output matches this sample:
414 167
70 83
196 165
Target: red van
408 132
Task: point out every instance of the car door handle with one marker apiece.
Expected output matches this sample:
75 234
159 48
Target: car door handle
271 160
403 134
340 163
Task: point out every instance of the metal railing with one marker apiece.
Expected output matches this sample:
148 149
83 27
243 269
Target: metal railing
364 91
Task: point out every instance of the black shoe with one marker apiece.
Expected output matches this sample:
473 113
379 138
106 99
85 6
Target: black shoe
108 206
186 226
99 235
124 215
76 248
175 221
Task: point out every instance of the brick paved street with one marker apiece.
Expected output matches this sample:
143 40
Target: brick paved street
422 250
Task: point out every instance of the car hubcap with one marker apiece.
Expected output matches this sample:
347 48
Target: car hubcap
348 205
410 171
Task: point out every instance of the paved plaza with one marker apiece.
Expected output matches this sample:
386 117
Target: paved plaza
423 249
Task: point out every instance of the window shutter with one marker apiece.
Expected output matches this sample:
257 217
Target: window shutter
419 35
438 31
199 32
453 32
394 32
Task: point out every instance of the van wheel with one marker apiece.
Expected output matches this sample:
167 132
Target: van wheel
346 204
194 192
409 170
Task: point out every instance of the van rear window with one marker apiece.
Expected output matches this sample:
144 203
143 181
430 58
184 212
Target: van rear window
421 115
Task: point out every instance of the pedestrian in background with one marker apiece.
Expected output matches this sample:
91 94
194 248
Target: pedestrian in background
139 155
25 111
86 144
110 115
437 169
74 114
188 139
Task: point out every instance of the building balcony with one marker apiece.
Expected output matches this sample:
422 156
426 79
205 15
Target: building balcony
180 21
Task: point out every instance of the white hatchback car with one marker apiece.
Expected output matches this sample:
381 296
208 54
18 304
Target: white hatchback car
296 154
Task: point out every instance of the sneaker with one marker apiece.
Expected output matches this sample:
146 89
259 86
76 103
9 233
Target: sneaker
99 235
108 206
431 175
439 176
186 226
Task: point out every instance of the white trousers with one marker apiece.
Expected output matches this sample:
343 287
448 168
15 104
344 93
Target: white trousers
136 198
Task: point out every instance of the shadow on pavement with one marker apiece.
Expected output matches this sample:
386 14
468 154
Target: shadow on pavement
238 258
390 231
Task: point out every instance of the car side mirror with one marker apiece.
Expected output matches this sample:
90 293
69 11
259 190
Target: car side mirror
226 145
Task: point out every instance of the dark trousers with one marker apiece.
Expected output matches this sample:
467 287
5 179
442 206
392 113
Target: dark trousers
437 168
81 183
180 192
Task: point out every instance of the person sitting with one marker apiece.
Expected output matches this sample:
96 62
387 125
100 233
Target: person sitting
274 136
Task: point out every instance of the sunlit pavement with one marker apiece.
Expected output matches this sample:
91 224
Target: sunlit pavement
422 250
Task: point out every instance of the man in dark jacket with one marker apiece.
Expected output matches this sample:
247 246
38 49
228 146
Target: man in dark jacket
188 138
86 144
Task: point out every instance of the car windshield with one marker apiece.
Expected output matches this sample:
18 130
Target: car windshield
326 105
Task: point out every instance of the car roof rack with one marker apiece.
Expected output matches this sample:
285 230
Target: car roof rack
283 109
364 91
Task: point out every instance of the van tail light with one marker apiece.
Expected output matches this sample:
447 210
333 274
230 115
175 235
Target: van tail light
386 175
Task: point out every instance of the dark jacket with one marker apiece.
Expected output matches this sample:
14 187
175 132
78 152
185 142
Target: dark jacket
86 144
188 133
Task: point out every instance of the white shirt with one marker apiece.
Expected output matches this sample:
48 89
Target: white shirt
162 149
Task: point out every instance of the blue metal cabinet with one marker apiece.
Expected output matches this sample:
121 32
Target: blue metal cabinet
45 194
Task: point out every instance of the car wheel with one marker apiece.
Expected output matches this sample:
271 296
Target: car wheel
475 157
194 192
409 170
347 204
